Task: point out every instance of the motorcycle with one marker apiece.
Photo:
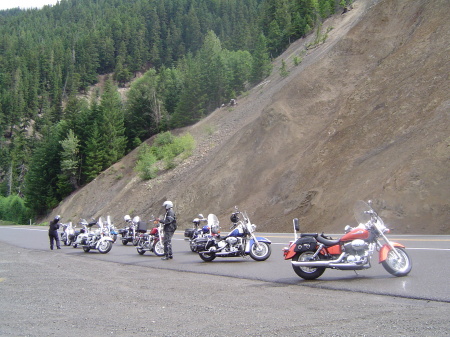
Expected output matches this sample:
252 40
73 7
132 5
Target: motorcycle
68 233
193 233
151 242
129 233
110 230
312 253
241 241
93 239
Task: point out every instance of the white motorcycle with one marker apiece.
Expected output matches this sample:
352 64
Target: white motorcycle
241 241
91 239
68 233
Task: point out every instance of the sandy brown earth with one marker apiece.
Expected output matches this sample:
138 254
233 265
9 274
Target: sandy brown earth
365 115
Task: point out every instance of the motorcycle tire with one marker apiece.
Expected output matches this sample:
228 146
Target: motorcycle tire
104 247
307 273
395 266
86 249
207 257
66 242
140 251
158 248
193 246
260 253
135 242
124 242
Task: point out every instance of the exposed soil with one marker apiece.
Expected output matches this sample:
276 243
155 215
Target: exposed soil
365 115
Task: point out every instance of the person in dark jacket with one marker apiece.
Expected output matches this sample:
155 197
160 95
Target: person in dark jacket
170 225
53 232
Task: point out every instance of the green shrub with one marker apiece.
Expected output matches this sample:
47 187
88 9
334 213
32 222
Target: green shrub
146 163
12 208
166 148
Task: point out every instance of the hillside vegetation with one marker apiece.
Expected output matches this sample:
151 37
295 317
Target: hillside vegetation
365 115
83 82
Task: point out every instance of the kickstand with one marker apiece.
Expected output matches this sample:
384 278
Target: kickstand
356 272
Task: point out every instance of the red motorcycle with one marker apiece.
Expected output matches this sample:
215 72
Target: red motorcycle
312 253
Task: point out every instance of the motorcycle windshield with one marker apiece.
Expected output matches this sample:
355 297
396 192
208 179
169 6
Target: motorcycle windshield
362 212
213 223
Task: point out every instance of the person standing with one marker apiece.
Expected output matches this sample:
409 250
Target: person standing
53 232
170 225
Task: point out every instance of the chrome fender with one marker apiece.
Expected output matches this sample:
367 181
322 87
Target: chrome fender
105 238
251 242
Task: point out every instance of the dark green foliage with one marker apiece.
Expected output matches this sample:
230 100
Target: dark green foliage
12 208
195 55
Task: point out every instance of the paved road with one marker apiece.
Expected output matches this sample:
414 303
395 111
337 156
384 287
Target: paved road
428 279
70 293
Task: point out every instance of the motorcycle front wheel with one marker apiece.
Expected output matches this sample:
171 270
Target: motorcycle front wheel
86 249
104 247
260 251
207 257
307 273
158 248
397 266
140 251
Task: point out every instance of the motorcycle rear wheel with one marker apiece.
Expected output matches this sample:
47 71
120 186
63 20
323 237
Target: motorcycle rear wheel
86 249
124 242
193 246
207 257
260 253
395 266
307 273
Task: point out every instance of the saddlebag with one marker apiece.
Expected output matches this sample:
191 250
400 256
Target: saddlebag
142 227
201 244
305 243
189 232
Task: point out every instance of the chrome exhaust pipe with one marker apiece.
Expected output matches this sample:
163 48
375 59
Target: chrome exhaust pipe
313 264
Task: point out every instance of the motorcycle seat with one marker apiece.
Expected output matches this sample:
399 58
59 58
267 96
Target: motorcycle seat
327 242
314 235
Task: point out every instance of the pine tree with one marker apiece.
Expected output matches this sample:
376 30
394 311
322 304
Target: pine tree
111 127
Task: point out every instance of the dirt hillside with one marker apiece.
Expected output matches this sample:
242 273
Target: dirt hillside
365 115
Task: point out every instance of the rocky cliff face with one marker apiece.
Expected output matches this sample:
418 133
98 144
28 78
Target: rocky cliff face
365 115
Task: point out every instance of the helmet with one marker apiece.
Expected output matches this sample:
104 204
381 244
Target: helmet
234 218
168 204
57 218
127 218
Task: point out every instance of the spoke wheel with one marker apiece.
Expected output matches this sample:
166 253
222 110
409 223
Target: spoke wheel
260 251
158 248
307 273
398 266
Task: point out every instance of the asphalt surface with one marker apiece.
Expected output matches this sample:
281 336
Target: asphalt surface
69 292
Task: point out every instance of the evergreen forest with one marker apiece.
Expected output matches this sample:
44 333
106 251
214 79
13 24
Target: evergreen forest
179 59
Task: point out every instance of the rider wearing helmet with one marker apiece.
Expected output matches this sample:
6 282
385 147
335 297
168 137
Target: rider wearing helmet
170 225
53 232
